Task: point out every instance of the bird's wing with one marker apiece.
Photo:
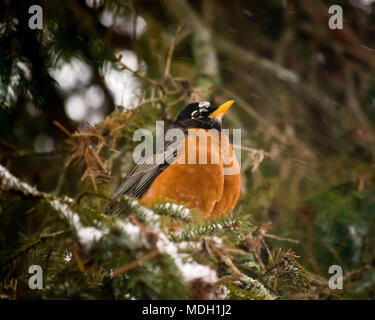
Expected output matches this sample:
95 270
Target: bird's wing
139 179
141 176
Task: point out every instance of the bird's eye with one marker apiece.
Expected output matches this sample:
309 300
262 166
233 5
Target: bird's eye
195 114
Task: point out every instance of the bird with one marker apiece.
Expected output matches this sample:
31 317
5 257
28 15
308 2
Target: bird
182 176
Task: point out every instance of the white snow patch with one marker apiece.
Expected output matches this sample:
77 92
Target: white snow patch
86 235
185 212
68 256
190 270
218 241
193 271
8 182
147 214
132 234
185 245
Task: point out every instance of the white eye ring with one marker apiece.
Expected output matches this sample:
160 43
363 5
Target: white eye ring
194 113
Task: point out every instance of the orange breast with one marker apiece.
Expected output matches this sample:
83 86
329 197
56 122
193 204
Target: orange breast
232 179
199 185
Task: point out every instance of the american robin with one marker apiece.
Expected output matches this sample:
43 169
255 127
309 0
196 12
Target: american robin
193 169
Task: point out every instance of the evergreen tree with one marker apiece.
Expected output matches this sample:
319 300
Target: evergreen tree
304 101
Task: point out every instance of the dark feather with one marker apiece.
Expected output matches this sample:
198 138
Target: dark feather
141 176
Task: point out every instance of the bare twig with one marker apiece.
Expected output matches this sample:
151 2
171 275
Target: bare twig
59 125
170 52
267 235
135 263
136 73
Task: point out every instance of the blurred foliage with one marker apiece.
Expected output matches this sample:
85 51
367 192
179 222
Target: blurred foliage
304 101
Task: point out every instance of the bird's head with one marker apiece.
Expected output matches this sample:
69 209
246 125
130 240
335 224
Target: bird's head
202 115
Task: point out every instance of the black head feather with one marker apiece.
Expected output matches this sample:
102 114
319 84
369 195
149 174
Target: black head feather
195 115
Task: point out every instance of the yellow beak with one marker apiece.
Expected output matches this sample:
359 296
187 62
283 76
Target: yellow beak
219 112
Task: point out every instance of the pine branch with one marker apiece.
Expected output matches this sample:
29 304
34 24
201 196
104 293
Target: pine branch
29 247
135 263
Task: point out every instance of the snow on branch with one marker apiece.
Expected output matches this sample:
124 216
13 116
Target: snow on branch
132 235
86 235
9 182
